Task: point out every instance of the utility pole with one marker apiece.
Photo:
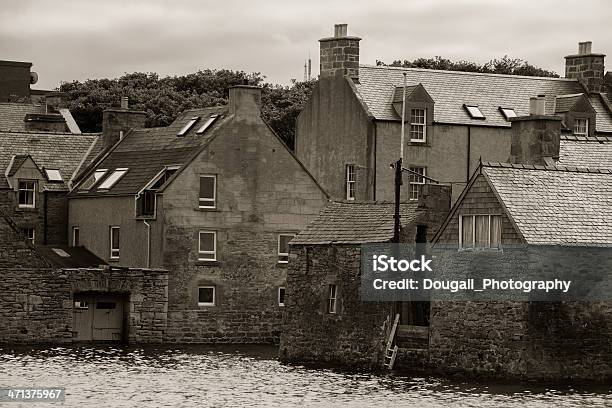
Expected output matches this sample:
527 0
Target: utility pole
398 173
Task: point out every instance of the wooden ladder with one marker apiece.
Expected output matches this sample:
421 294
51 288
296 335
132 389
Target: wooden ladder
391 353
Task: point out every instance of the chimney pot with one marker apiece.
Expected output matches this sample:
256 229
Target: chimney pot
124 102
584 47
340 30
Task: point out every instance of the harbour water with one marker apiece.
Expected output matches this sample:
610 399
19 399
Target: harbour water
236 376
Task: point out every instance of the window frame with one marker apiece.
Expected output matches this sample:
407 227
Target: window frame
504 112
27 190
474 114
26 230
120 172
350 184
586 126
278 246
418 124
207 124
474 247
284 291
332 299
190 123
112 250
52 179
416 183
214 296
214 198
92 180
76 236
204 252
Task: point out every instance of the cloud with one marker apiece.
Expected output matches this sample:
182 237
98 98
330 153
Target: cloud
68 40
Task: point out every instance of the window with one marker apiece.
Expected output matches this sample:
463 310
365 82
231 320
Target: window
93 179
81 304
114 242
207 246
350 182
331 304
283 247
54 175
28 233
508 113
480 231
60 252
207 124
188 126
206 295
416 180
208 191
146 199
474 111
76 236
27 194
417 125
581 126
112 179
281 296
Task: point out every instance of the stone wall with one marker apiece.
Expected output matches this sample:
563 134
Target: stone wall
355 335
36 303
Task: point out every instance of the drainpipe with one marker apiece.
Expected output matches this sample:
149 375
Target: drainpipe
45 217
469 148
148 242
375 147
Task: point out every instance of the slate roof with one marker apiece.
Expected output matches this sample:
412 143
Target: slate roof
16 163
145 152
586 152
565 103
354 223
78 257
63 151
555 205
598 103
450 90
12 115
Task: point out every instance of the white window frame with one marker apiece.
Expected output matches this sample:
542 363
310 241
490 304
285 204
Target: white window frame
54 175
474 111
188 126
77 231
114 252
278 247
27 190
214 296
418 125
281 288
332 299
586 126
201 252
472 248
207 124
208 200
416 183
350 182
93 179
113 178
508 113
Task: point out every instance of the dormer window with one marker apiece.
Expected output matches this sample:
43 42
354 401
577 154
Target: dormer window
581 126
207 124
474 111
112 179
507 113
146 199
418 124
188 126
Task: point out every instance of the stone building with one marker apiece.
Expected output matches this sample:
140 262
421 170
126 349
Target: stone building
326 321
214 198
349 131
61 294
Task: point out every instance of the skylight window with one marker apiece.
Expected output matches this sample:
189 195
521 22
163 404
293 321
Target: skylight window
508 113
188 126
112 179
53 175
206 125
93 179
61 252
474 111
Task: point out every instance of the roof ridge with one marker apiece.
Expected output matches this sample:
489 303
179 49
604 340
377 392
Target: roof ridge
558 167
591 139
467 73
569 95
43 133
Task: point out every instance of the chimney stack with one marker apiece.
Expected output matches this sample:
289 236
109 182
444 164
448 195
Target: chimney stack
535 138
245 101
340 54
15 80
117 122
587 67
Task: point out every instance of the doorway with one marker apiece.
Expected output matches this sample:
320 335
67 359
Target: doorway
99 317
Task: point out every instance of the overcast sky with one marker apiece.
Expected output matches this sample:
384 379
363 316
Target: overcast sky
70 39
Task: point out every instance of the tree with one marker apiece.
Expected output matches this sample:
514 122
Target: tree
505 65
